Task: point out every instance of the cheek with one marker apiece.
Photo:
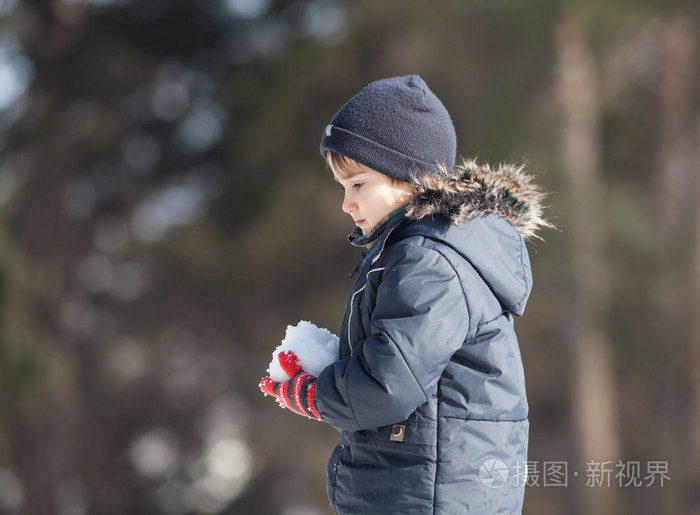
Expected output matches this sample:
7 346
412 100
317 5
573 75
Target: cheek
400 196
390 197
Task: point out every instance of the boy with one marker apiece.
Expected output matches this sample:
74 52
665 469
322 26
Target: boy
428 395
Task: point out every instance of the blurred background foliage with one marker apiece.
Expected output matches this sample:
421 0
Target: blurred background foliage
164 214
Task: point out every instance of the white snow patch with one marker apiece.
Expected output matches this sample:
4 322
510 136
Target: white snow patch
315 347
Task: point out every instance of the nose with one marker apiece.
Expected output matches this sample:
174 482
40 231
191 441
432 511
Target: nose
349 205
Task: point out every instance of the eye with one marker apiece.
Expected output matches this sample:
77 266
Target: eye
358 185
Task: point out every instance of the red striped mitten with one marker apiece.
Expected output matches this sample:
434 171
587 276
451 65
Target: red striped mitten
297 394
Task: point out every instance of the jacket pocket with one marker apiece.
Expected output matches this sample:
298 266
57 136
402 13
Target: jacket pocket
420 428
380 475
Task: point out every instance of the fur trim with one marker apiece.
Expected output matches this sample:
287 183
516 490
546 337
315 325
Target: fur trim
474 190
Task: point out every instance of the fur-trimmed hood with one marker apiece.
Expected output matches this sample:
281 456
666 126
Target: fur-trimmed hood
484 214
473 190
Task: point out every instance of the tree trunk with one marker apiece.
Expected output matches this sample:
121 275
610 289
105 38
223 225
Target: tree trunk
677 135
674 291
593 390
694 339
678 302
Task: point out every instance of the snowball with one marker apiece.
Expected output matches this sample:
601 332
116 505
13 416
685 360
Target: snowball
316 348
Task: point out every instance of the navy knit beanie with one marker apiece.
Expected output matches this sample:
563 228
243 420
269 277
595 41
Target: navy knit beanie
395 126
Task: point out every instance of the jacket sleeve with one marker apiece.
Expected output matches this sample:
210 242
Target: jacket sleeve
419 321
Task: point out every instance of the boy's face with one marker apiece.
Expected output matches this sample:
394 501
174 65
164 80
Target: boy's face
370 196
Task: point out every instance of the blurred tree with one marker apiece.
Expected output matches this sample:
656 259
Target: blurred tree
677 166
165 213
694 334
594 403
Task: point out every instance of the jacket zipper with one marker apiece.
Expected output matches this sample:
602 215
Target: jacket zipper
352 303
335 459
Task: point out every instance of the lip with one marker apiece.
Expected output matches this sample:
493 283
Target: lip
359 222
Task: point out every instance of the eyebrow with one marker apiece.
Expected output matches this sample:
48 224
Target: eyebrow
351 177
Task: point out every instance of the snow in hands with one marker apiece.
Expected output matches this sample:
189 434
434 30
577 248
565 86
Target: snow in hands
315 347
305 351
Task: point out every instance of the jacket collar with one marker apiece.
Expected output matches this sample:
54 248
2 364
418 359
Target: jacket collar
377 237
358 239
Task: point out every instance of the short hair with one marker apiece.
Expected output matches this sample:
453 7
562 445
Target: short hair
339 164
342 166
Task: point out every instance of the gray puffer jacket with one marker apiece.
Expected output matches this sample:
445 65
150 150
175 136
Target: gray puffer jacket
429 389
